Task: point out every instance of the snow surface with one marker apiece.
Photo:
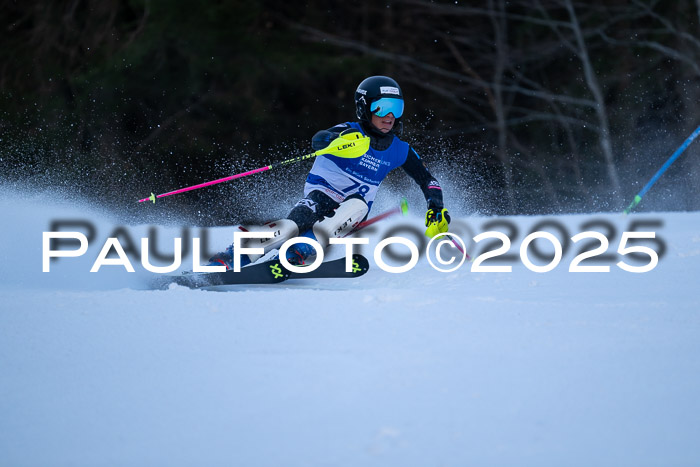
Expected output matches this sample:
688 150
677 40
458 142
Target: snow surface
415 369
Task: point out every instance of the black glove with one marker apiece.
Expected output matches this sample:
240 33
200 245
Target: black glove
322 139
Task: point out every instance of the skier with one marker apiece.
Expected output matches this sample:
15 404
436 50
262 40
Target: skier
339 192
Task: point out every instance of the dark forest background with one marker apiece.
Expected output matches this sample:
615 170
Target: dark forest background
536 106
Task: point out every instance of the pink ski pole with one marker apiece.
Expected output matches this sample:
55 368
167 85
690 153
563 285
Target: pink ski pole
402 208
202 185
347 145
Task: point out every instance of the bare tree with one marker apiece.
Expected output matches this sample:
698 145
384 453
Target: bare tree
594 86
501 59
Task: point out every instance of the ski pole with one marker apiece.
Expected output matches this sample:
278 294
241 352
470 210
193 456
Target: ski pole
459 248
348 146
658 174
401 208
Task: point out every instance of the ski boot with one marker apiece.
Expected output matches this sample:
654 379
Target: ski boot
225 258
298 253
282 230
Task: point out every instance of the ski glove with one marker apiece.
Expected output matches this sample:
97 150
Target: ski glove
322 139
436 221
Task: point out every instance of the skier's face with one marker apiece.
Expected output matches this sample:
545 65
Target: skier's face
383 124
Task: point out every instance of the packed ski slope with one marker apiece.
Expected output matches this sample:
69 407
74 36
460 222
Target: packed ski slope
421 368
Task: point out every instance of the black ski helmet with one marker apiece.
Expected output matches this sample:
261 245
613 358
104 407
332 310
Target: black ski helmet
373 89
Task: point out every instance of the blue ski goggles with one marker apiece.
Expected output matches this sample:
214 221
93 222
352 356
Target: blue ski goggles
386 106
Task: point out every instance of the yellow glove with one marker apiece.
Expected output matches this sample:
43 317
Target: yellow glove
436 222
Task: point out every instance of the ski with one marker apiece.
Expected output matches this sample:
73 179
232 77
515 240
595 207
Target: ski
336 269
266 272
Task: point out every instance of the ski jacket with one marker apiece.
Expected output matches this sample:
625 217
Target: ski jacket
339 178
